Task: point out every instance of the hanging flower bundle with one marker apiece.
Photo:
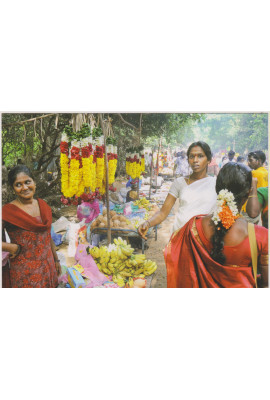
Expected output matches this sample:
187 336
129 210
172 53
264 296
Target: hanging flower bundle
112 158
99 157
135 163
78 165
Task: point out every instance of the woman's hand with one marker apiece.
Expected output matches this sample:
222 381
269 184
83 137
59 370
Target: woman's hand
58 267
142 229
13 250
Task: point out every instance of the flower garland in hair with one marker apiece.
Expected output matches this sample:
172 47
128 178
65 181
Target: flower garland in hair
226 211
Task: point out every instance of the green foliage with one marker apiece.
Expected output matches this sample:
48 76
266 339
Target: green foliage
241 132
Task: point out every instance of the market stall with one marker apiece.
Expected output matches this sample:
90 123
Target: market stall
88 165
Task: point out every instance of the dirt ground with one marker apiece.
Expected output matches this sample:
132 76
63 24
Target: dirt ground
155 250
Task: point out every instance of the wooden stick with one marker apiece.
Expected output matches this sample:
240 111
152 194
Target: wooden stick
28 120
151 171
109 234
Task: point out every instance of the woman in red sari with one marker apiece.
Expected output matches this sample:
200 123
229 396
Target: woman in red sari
213 251
33 258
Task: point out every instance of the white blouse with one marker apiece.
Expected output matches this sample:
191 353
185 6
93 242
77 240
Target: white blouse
197 198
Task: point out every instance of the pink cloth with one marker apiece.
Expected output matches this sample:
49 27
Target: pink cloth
5 257
91 270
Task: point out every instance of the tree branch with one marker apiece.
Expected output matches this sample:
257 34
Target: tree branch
128 123
28 120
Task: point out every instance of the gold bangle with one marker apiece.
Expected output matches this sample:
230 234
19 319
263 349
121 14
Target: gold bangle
253 196
148 224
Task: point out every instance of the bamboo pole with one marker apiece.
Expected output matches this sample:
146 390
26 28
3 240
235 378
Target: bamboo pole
151 172
157 165
109 233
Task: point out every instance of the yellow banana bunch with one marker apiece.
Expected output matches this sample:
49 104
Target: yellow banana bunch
149 267
95 252
119 241
139 258
130 283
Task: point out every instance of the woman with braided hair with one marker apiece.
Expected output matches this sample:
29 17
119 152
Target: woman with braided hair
214 250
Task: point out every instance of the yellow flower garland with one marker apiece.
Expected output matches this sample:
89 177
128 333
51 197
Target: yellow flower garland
74 176
86 162
64 175
81 183
112 165
142 164
93 180
99 171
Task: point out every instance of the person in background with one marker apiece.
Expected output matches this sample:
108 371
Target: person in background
196 193
33 258
240 159
213 251
256 159
230 158
181 166
231 155
213 168
258 203
224 161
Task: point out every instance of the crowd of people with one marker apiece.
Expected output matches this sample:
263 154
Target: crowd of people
213 244
219 236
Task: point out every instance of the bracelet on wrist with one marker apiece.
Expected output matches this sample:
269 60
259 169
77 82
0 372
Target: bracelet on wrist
19 249
149 226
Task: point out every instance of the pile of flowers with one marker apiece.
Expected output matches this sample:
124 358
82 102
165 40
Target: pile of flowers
135 163
226 210
82 164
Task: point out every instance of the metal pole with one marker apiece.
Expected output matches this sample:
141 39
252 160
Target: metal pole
109 233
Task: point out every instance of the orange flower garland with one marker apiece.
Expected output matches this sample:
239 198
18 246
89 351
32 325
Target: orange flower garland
226 210
226 216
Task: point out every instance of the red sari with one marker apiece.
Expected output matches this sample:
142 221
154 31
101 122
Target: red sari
34 266
189 264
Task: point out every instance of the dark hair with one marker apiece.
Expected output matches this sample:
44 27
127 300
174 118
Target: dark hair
205 148
253 154
231 153
240 159
260 155
12 175
237 179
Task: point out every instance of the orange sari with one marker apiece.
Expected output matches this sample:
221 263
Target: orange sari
189 264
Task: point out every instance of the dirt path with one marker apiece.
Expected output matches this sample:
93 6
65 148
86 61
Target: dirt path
155 251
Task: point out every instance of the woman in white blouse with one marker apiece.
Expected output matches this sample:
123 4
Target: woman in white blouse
196 193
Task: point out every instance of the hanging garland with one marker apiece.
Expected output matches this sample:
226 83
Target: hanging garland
112 158
135 163
82 162
99 156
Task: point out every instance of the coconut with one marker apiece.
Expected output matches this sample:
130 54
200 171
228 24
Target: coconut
101 225
104 211
115 217
116 223
112 213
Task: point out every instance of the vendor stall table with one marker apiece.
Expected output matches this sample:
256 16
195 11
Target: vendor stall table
123 232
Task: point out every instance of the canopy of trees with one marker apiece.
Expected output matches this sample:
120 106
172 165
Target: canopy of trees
35 138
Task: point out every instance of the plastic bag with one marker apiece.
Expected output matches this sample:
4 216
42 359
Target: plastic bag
60 225
56 237
91 270
88 211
